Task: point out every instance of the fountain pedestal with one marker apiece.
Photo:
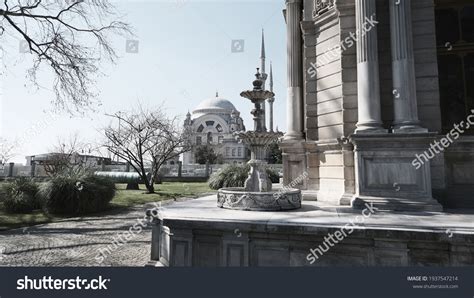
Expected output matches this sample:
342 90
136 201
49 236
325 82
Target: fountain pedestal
258 179
257 193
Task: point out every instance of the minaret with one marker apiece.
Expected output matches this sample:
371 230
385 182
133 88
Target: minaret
263 74
271 100
262 62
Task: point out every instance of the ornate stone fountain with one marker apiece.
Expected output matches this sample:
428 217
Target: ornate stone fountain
257 193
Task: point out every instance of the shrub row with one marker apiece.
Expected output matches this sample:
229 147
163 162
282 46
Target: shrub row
60 195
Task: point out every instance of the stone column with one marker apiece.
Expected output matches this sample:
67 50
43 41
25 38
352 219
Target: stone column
403 68
368 84
294 71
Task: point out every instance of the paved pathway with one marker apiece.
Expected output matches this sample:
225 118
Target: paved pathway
86 241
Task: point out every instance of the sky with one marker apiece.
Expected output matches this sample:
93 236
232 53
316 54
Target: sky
184 56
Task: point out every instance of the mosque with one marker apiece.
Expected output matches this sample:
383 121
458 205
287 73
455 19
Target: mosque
214 121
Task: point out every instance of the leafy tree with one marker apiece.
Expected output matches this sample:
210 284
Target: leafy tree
205 154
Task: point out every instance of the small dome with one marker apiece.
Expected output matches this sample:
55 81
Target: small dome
214 105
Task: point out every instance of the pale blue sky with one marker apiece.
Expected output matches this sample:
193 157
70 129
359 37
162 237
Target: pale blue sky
184 57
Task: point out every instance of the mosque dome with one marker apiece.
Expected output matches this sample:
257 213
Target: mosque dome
215 105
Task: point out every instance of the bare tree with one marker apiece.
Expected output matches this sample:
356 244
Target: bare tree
6 151
66 157
71 37
146 139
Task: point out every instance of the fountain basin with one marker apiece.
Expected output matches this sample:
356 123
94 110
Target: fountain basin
237 198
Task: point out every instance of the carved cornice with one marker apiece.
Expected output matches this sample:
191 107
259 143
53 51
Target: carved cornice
322 6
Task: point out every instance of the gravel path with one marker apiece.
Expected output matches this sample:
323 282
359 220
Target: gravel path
119 238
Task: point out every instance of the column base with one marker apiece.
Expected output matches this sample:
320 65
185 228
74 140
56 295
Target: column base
346 199
401 129
387 174
293 137
397 204
364 130
294 163
370 128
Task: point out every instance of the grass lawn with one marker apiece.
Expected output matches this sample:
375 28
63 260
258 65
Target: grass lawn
123 199
165 191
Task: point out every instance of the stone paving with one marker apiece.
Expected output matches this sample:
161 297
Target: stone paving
86 241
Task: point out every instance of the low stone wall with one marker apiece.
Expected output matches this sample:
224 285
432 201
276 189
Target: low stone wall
205 245
198 234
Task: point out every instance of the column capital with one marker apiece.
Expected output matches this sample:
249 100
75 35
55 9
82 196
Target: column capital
300 2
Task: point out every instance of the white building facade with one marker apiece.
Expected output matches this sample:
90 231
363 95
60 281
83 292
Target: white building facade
213 122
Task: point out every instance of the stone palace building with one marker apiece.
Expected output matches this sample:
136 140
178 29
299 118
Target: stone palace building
379 111
380 102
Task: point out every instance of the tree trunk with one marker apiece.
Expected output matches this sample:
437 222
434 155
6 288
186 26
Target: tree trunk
150 188
148 183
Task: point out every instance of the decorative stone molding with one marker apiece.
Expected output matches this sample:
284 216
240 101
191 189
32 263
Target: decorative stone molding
322 6
238 199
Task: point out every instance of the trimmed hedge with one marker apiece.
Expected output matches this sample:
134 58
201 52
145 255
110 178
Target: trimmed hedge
235 176
20 196
76 196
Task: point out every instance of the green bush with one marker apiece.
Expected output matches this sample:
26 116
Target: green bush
229 176
20 196
235 176
76 196
273 175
